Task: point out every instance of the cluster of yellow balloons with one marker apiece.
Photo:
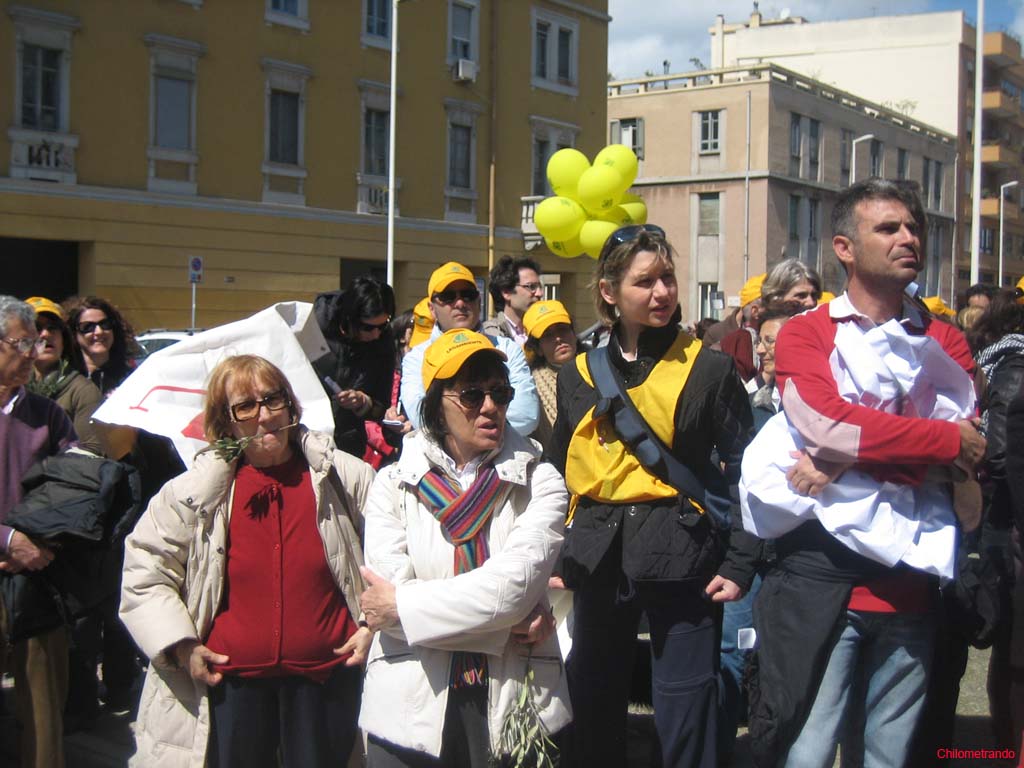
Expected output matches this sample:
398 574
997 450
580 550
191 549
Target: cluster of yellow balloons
590 201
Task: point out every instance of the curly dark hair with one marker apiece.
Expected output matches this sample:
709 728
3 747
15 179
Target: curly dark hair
505 277
1003 316
121 351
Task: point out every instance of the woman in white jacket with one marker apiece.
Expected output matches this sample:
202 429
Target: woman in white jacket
241 585
461 537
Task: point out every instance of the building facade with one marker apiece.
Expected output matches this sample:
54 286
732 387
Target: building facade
934 56
255 135
741 166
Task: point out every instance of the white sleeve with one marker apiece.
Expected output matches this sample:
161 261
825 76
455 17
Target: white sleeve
524 410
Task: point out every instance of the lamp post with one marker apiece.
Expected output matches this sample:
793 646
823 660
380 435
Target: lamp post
853 154
392 121
1002 199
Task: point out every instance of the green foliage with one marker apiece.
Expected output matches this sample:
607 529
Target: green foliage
524 738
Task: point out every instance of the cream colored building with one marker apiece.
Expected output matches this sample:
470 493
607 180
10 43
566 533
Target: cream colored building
741 166
254 135
923 66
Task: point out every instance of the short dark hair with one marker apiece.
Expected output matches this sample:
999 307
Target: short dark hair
980 289
364 297
505 277
479 367
782 310
844 214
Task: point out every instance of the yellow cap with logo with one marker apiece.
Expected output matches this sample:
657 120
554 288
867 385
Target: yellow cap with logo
422 323
40 305
445 275
542 315
937 306
450 350
751 290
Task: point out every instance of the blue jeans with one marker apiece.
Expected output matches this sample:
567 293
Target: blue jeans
876 677
732 701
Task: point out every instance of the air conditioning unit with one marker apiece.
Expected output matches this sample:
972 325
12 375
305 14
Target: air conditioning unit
465 71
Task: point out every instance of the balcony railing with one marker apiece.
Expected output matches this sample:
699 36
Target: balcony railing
372 194
43 155
531 235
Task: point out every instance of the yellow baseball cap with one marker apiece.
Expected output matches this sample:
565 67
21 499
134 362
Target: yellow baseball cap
422 323
937 306
542 315
751 290
447 274
40 305
1020 291
826 297
450 350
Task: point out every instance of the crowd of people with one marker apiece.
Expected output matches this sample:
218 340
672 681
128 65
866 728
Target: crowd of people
814 505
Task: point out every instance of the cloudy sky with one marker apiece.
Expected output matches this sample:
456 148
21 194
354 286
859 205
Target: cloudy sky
644 33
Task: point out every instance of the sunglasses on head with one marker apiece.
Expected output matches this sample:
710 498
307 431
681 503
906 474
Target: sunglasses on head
625 234
250 409
370 327
88 326
449 296
472 398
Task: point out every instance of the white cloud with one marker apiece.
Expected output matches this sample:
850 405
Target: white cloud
644 34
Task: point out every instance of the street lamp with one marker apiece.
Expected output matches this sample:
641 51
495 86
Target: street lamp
853 154
392 122
1002 196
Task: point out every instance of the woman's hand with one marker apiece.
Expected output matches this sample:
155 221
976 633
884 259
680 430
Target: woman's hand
535 628
378 601
723 590
556 582
358 645
393 414
197 658
353 400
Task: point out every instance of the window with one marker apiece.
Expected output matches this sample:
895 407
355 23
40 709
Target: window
708 220
284 173
813 206
172 148
555 51
794 135
705 299
876 158
709 131
372 178
288 13
629 131
41 147
987 240
926 179
549 136
460 186
377 23
845 148
173 117
460 144
541 154
936 185
901 163
813 148
375 142
462 20
794 217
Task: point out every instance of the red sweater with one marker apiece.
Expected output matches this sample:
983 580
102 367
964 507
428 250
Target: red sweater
888 447
282 612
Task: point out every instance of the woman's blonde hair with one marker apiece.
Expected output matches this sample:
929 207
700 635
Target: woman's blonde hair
245 371
614 262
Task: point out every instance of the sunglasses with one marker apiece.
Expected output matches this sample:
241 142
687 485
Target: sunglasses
370 327
250 409
468 295
472 398
88 326
625 234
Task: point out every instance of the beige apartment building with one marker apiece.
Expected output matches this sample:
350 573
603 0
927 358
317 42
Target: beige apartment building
254 135
742 165
921 65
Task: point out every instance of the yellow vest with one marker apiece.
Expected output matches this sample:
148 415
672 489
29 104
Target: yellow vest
598 464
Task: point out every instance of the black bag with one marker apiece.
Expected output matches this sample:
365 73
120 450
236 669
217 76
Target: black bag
975 600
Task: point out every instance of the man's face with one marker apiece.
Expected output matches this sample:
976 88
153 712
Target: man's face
528 291
452 309
887 250
979 300
15 366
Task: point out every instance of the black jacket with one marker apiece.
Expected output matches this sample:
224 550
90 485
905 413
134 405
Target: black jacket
82 507
366 366
663 540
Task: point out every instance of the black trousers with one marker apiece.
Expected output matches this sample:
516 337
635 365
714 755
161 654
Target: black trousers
684 684
313 725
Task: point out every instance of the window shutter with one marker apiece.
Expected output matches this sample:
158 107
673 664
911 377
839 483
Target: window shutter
640 138
615 133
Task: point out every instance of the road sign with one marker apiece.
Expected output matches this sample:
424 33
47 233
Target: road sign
195 269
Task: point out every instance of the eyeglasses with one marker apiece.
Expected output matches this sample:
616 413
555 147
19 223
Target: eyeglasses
88 326
532 287
472 398
625 234
370 327
468 295
768 341
27 346
250 409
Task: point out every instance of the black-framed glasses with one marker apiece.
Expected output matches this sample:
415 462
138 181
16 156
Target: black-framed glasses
88 326
449 296
27 346
371 327
625 234
472 398
250 409
532 287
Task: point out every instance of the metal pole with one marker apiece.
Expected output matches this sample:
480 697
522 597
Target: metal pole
746 205
853 155
955 241
192 326
979 96
392 115
1002 199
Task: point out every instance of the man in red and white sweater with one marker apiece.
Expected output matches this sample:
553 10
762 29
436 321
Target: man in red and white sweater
869 668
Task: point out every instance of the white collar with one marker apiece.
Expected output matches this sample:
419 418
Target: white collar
7 409
841 308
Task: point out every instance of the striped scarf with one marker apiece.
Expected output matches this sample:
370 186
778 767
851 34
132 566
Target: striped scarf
464 516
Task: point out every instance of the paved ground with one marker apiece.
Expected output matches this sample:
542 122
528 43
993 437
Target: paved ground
109 743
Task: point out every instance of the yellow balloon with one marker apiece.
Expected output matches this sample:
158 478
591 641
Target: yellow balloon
564 170
559 218
619 215
629 197
594 234
622 159
567 249
637 211
599 189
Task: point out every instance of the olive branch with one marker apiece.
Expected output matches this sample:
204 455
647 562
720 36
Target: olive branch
230 448
524 737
